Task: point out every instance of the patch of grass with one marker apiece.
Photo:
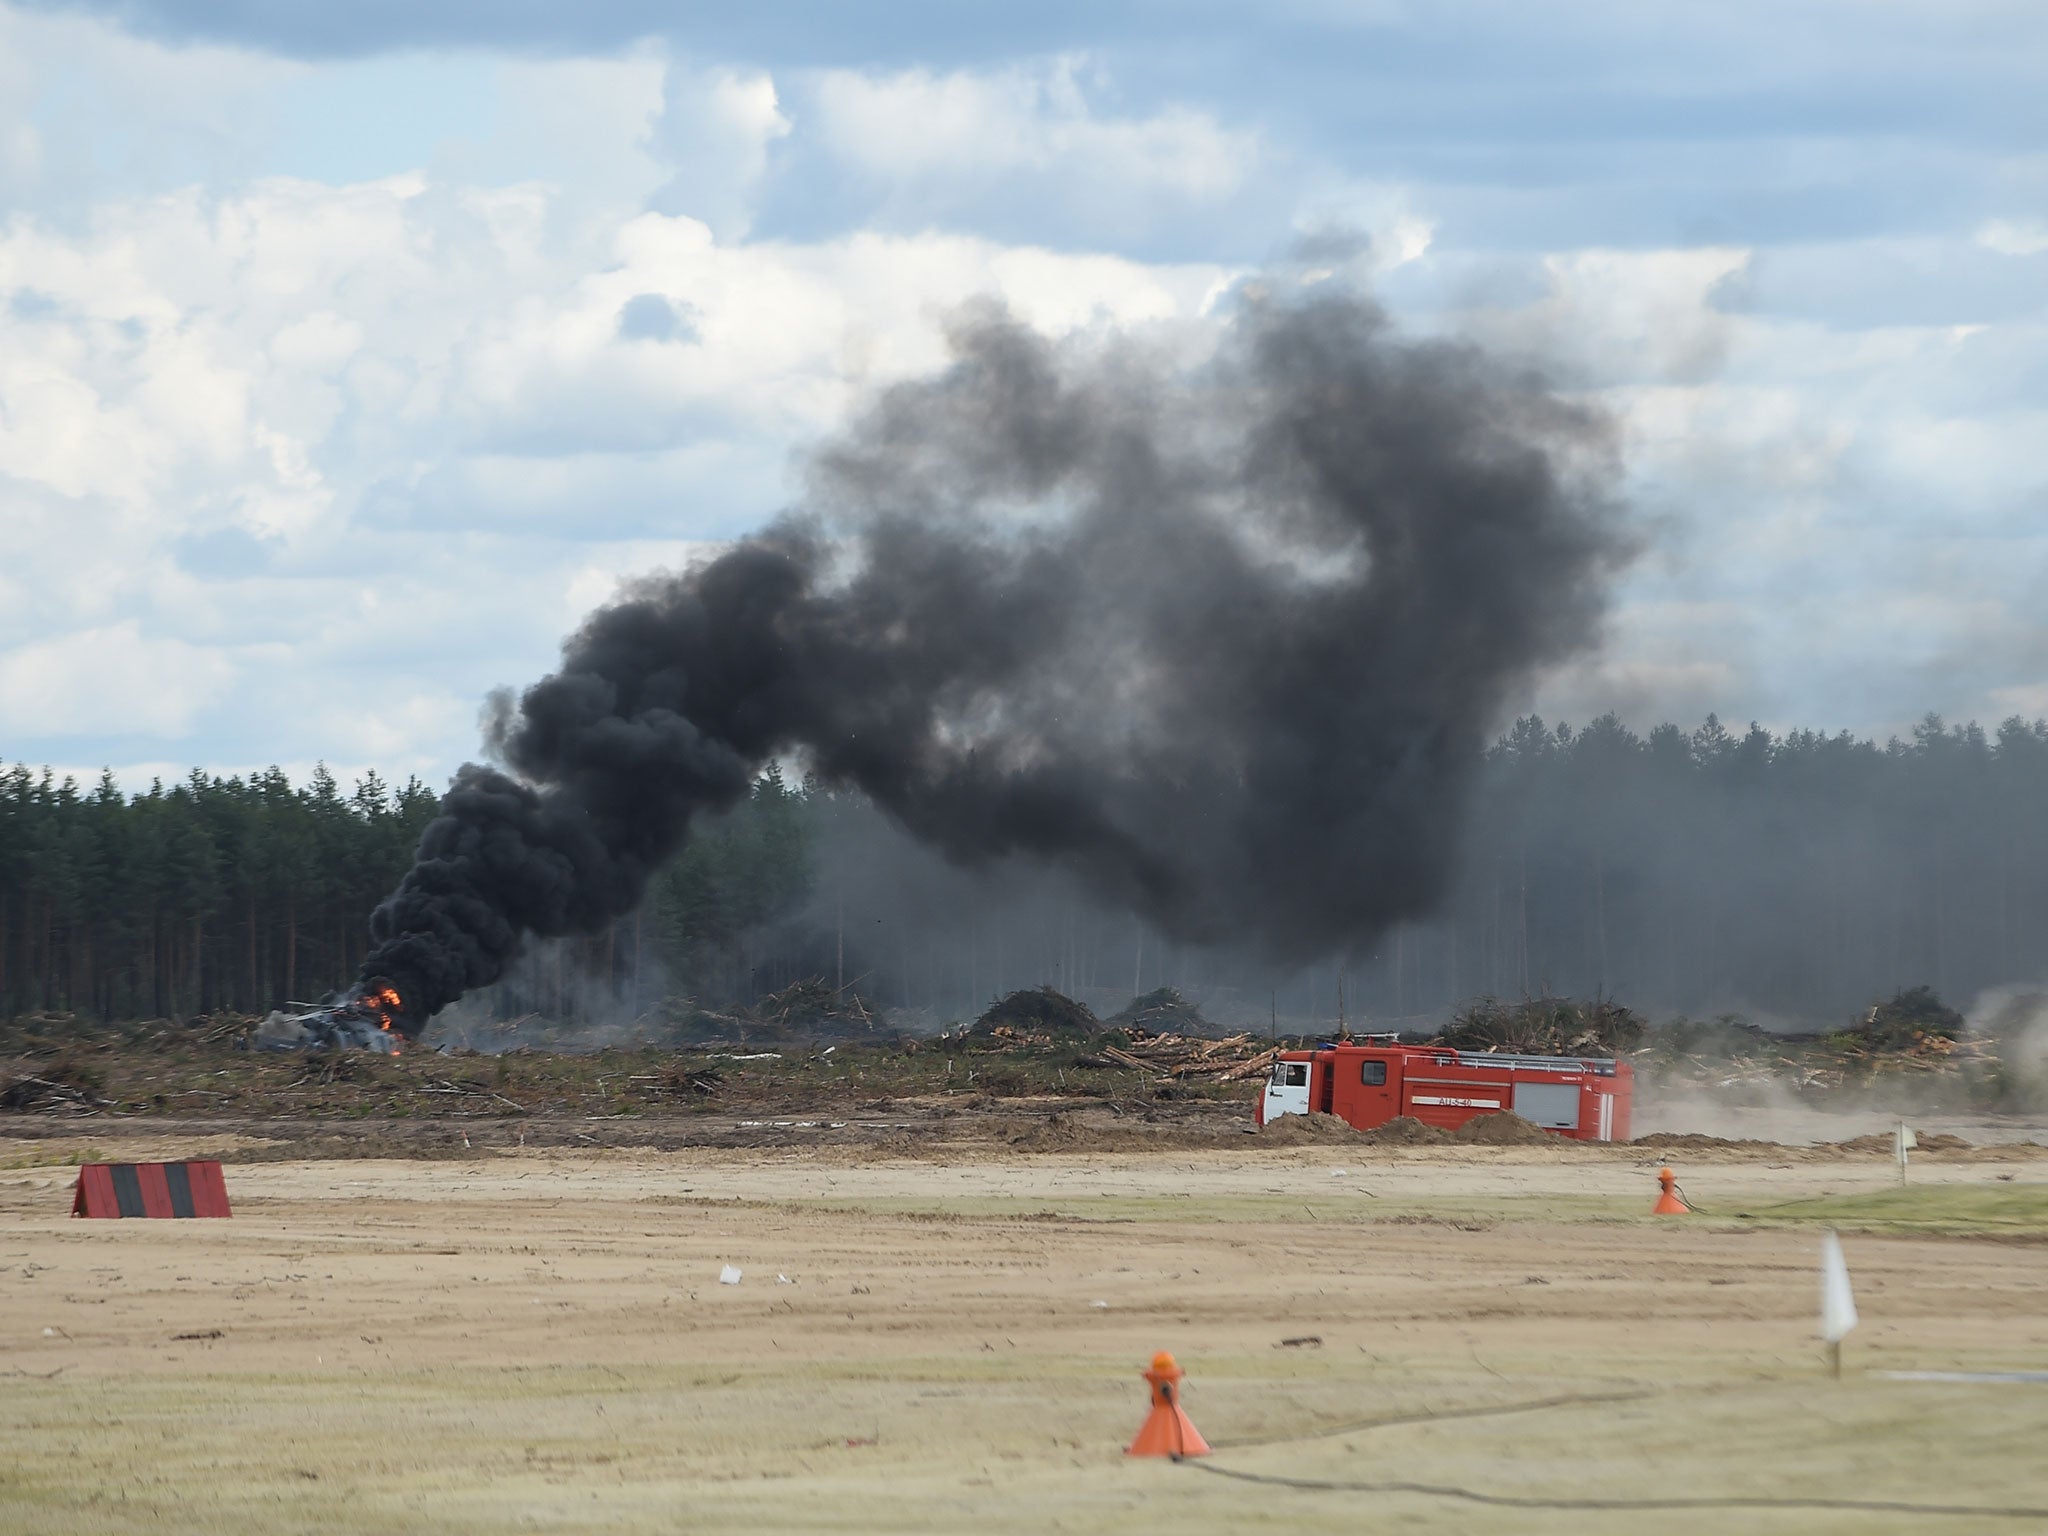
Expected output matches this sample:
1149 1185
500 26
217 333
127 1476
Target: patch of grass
1961 1210
54 1157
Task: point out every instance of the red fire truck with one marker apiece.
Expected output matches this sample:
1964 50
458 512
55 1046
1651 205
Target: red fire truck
1371 1080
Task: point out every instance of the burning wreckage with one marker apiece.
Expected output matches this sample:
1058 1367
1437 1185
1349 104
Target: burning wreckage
367 1021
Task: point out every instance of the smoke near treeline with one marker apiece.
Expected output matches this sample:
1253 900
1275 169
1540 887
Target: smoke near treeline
1796 878
1220 644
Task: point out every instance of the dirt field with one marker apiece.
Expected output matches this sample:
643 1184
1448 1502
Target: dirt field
538 1340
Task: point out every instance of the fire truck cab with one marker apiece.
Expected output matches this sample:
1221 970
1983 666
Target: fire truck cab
1371 1081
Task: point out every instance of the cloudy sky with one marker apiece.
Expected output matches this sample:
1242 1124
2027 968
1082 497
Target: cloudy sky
350 353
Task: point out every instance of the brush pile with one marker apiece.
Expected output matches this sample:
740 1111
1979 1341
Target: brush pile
807 1010
1161 1011
1914 1023
61 1086
1913 1036
1036 1016
812 1007
1545 1026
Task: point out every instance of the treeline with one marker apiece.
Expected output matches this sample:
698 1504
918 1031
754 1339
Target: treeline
1800 876
210 894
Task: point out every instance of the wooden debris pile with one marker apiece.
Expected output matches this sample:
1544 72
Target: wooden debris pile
224 1028
813 1006
1181 1059
679 1082
56 1087
1914 1023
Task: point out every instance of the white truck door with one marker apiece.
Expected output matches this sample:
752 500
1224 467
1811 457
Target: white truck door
1286 1091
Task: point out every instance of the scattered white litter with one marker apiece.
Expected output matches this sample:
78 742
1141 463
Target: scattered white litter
784 1280
1338 1173
49 1333
1098 1303
730 1275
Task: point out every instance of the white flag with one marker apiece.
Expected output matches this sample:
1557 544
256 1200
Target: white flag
1837 1305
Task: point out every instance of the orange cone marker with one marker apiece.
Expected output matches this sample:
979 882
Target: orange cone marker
1668 1203
1167 1430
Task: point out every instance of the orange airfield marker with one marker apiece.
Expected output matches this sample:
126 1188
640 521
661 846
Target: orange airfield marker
1167 1430
1668 1203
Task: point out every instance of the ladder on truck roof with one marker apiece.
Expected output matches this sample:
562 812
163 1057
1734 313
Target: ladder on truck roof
1599 1066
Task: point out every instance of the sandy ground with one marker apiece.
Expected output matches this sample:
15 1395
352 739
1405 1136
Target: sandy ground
540 1341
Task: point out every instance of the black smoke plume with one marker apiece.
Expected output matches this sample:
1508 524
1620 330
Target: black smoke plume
1223 639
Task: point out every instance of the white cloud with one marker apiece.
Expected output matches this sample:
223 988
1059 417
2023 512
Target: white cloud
2014 237
785 333
379 441
716 130
1612 316
1021 142
917 124
111 680
86 108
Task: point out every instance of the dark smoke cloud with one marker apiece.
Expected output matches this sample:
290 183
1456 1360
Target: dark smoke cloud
1223 640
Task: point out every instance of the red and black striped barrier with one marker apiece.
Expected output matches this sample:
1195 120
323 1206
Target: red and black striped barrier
150 1189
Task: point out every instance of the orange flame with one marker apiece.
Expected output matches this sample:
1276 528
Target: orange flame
383 1002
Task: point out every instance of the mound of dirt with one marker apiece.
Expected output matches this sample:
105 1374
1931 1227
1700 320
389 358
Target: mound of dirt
1502 1130
1307 1130
1314 1130
1407 1131
1940 1141
1058 1132
1691 1141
